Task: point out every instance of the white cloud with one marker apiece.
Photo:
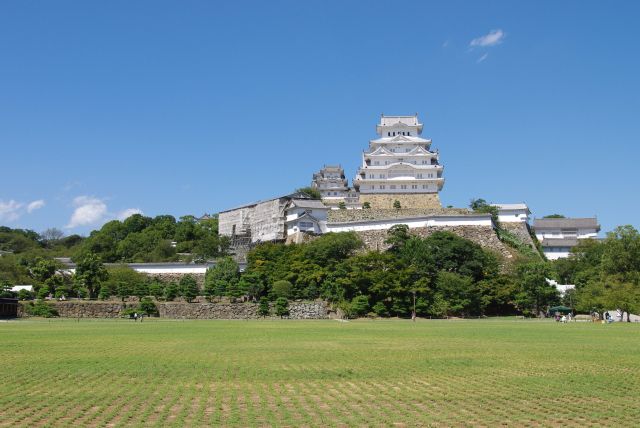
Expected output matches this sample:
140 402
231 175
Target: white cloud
35 205
124 214
494 37
482 58
11 210
88 210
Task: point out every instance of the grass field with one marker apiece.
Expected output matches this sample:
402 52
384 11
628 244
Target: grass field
319 373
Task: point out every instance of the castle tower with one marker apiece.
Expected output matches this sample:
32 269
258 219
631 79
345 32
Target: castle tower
399 166
332 184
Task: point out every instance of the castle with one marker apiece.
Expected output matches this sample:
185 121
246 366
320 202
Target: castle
398 182
397 166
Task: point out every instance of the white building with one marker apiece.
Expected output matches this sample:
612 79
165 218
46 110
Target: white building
399 161
332 184
559 235
440 220
512 213
306 215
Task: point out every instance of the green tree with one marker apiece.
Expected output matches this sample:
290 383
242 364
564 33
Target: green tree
282 288
171 291
342 205
534 293
554 216
156 289
396 204
397 236
221 278
147 306
457 291
360 305
366 205
188 288
282 307
263 308
90 273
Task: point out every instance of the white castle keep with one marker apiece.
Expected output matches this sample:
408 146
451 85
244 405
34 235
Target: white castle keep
398 166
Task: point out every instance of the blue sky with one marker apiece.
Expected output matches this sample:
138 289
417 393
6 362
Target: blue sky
190 107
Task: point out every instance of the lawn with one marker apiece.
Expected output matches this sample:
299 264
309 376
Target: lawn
318 373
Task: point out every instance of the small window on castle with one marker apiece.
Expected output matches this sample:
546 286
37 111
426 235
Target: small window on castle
424 186
404 186
393 186
382 186
388 134
414 186
376 163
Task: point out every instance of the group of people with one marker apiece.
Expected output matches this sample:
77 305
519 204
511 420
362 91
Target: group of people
135 316
564 318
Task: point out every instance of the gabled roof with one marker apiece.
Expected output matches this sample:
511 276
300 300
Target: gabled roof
308 203
295 195
304 216
566 223
380 151
401 139
512 207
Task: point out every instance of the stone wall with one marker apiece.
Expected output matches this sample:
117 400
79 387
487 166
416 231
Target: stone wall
481 235
415 200
183 310
521 230
340 216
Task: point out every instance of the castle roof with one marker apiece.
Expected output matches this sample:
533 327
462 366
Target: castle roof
566 223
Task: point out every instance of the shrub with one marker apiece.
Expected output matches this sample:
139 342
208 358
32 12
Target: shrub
360 305
25 295
40 308
188 288
380 309
282 307
396 204
171 291
263 309
366 205
147 306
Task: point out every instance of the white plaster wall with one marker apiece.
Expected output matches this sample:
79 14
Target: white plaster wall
411 222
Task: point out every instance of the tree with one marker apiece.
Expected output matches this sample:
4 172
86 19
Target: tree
457 291
366 205
342 205
282 307
171 291
222 277
282 288
481 206
360 305
534 292
188 288
156 289
147 306
554 216
90 273
396 204
51 235
397 236
263 308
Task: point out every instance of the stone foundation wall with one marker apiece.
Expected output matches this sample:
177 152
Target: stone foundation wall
340 216
183 310
415 200
521 230
481 235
